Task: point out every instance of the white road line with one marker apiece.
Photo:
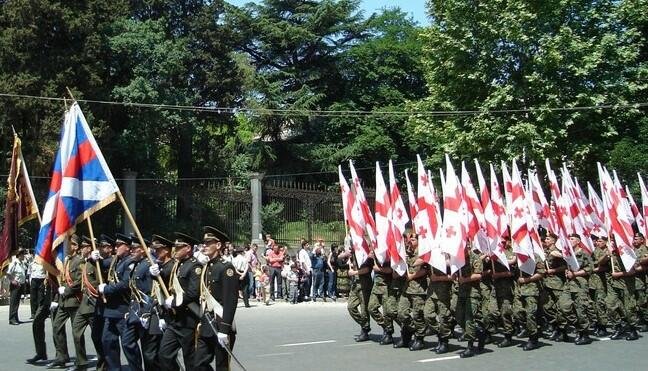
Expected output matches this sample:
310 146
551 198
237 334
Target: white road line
309 343
603 339
358 344
274 354
437 359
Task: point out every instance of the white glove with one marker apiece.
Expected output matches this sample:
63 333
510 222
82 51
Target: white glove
223 339
202 258
61 290
168 302
94 255
53 305
102 287
154 270
162 324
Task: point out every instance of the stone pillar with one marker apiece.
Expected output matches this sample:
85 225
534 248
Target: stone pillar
256 190
130 188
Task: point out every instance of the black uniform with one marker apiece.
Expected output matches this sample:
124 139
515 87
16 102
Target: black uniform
222 282
183 318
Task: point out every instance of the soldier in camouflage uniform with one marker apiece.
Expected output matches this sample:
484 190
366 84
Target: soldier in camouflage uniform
378 299
412 302
578 287
557 304
598 285
641 266
437 306
530 286
359 295
469 299
503 291
620 300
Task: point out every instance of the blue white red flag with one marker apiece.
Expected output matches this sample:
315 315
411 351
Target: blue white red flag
81 184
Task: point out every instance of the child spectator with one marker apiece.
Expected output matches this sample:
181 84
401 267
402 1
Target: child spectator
293 282
258 288
265 284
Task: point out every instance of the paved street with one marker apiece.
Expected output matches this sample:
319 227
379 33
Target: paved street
319 336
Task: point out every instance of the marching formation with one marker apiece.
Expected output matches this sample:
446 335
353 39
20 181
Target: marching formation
115 291
522 267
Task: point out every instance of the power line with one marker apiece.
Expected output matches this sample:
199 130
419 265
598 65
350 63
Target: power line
334 113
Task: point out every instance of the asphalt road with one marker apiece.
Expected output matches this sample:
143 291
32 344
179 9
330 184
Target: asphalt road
319 336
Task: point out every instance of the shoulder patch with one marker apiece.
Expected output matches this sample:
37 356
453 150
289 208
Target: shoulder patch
229 272
198 270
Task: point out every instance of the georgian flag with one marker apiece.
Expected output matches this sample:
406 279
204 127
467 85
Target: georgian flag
644 203
399 220
453 232
428 220
384 232
598 213
561 216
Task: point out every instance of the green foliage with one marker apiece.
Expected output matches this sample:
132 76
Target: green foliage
271 217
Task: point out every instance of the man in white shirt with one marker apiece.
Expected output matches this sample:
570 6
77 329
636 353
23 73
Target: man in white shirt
17 274
241 264
36 285
304 258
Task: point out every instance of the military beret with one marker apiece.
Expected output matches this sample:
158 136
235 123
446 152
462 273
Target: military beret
135 241
104 239
575 235
184 239
639 234
213 234
122 239
86 241
158 241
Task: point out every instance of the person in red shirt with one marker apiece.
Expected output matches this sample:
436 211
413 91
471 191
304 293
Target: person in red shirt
275 259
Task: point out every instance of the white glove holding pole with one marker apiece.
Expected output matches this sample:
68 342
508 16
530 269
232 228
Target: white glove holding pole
223 339
94 255
154 270
162 324
61 290
168 302
53 305
102 287
202 258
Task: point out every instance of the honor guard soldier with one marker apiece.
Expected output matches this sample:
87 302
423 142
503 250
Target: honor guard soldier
69 292
161 248
117 294
219 296
183 305
86 312
104 257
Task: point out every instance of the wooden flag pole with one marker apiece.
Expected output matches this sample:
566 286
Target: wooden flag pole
141 240
94 248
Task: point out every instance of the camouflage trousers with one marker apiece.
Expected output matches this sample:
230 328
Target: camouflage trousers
410 314
621 306
437 314
384 319
557 305
357 306
468 316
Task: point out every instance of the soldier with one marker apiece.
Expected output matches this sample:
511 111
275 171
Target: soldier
598 284
390 305
437 306
42 312
620 300
578 288
557 305
219 297
104 256
530 286
469 299
412 303
359 294
69 299
183 305
504 286
639 244
378 298
85 313
117 294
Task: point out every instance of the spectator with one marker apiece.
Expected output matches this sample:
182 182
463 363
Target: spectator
343 282
17 274
258 287
37 287
318 263
285 270
241 265
265 285
253 261
304 259
269 242
227 252
331 262
293 281
275 260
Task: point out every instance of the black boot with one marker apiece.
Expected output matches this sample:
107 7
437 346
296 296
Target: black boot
386 339
564 336
532 343
618 333
643 328
579 337
482 336
436 347
404 340
363 336
442 347
555 335
583 338
469 351
417 344
507 342
632 334
600 331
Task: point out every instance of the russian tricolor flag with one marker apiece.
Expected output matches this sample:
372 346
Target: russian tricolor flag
81 184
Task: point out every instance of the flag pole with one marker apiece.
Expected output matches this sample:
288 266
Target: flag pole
94 248
141 240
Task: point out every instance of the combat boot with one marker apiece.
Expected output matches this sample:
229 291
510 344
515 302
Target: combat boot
469 351
618 333
632 334
363 336
442 347
482 335
404 340
555 335
564 336
583 338
417 344
438 344
387 339
507 342
600 331
531 344
644 328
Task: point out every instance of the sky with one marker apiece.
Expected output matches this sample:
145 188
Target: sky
415 8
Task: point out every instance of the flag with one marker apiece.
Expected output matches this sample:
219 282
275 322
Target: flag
540 204
598 214
347 197
638 217
493 210
575 208
520 236
20 205
428 220
475 213
399 220
81 184
361 200
453 233
561 215
411 200
358 220
644 203
384 232
617 218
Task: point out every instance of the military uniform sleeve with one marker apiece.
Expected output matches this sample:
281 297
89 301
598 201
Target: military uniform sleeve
230 281
192 291
120 287
540 266
76 276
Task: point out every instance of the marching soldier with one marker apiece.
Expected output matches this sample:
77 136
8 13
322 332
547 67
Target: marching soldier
557 304
578 287
621 304
530 287
412 303
359 294
378 298
469 302
437 306
599 286
104 256
639 244
42 312
69 299
183 305
219 296
504 286
117 294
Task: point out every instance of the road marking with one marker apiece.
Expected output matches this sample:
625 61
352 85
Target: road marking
358 344
604 339
309 343
274 354
437 359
